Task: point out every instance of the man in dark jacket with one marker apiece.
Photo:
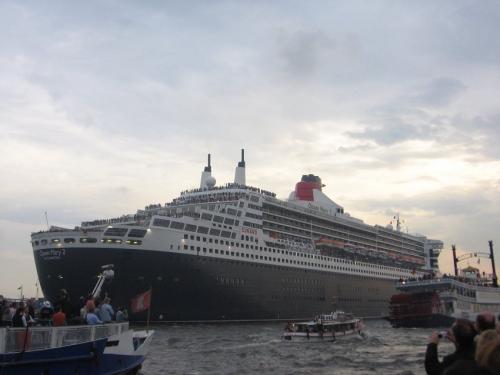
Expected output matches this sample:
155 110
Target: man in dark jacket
462 335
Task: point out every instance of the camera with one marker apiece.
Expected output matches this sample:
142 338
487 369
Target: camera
442 334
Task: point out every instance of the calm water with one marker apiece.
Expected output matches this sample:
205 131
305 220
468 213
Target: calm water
258 348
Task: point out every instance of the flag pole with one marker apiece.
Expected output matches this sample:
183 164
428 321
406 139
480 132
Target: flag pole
149 308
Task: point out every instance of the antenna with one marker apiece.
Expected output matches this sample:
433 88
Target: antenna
47 220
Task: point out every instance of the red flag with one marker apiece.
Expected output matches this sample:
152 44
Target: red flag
141 302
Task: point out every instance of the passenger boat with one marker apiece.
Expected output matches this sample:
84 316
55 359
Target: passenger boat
326 327
238 251
104 349
436 301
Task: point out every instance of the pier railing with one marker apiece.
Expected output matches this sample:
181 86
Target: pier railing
37 338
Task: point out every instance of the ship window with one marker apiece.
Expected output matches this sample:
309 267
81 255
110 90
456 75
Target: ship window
190 228
197 238
206 216
214 232
185 236
36 243
137 233
176 225
203 230
185 247
192 237
228 221
111 240
231 211
68 240
133 242
115 231
210 251
225 233
88 240
210 240
192 247
218 219
55 240
162 223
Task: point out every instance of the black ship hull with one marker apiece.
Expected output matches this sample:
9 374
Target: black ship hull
200 288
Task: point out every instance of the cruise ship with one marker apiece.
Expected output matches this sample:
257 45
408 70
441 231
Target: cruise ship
236 252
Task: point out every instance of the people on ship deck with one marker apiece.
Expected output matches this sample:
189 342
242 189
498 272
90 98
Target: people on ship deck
59 318
19 318
92 318
120 314
106 312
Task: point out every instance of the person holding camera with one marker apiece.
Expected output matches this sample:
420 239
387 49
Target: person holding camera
462 335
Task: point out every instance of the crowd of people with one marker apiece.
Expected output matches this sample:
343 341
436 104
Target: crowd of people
477 348
62 312
94 311
479 281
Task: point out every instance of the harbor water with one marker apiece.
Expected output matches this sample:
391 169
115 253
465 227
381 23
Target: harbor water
258 348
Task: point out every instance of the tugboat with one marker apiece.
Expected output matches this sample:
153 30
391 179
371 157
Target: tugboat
325 327
102 349
431 301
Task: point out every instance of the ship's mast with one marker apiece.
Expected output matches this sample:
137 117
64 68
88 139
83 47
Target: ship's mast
455 260
492 257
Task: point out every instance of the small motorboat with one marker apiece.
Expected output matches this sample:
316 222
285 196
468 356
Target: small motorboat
325 327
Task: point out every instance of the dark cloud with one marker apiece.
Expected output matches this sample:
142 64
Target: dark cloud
439 92
304 54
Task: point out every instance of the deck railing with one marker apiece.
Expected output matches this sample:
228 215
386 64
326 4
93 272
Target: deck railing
36 338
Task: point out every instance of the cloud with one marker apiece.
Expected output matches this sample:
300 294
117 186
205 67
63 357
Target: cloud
106 108
439 92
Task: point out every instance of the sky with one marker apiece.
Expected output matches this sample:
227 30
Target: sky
107 106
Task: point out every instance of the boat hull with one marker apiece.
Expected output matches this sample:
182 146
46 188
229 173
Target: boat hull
423 321
189 287
85 358
314 336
